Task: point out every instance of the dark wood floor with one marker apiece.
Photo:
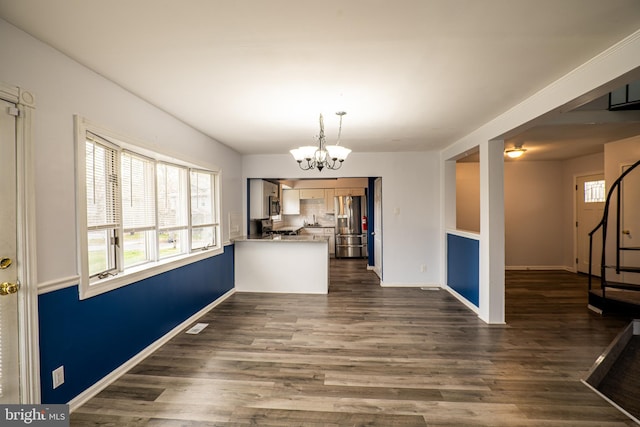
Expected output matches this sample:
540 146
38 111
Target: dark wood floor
371 356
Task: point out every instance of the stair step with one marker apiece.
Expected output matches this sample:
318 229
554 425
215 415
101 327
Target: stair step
630 269
627 286
624 268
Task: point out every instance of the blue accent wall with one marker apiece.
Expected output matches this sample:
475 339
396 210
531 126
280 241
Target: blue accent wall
463 267
371 220
92 337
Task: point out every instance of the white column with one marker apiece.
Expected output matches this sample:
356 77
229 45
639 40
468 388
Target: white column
492 231
448 218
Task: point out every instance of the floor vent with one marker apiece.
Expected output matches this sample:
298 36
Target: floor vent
197 328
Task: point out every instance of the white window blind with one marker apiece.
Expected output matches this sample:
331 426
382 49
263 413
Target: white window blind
102 185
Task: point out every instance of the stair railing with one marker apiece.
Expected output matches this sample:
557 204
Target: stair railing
603 224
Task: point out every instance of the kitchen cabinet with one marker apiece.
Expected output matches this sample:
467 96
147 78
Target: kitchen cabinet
329 203
260 191
349 192
291 202
311 193
329 232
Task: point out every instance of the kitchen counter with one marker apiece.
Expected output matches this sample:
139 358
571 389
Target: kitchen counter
281 264
283 238
291 229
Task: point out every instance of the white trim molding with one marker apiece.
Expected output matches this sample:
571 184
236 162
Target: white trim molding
463 300
57 284
408 285
26 244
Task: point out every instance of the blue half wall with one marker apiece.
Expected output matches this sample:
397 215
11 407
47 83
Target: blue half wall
463 267
93 337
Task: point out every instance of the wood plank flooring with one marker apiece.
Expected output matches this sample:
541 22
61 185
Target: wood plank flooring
370 356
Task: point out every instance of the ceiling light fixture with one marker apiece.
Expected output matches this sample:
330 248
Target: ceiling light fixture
515 152
322 156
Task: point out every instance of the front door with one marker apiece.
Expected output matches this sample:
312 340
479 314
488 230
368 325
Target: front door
9 358
590 195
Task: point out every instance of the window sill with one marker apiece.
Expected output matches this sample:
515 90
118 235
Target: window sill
142 272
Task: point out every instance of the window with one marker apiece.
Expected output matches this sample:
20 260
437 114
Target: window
594 192
203 216
172 209
142 213
103 214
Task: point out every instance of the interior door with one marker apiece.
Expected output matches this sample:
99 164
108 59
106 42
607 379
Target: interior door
630 223
9 358
590 194
377 228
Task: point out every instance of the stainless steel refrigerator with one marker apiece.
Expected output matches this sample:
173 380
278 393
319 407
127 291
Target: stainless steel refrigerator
351 240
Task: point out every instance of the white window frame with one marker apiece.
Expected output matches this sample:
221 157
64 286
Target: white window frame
88 286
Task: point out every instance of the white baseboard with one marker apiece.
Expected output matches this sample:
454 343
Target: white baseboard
408 285
539 268
462 299
83 397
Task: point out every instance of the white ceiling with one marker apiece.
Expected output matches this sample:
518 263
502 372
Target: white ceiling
411 74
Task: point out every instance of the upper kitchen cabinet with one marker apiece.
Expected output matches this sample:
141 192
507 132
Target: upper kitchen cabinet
291 202
263 199
329 194
311 193
349 191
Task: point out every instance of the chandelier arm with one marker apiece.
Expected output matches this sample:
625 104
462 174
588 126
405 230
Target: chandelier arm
321 158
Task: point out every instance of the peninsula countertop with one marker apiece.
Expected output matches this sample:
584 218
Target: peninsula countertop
282 264
283 238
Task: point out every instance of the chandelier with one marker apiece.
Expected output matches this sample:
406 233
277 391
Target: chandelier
322 156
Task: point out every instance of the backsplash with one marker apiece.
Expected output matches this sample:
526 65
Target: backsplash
309 208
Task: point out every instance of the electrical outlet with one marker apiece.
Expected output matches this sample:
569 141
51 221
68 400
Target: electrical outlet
423 268
58 376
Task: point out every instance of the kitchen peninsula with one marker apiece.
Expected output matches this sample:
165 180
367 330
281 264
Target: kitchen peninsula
282 264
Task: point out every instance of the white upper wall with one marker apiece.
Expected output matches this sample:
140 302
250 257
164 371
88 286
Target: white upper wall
63 88
410 202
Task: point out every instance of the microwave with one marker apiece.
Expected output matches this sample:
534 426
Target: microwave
274 206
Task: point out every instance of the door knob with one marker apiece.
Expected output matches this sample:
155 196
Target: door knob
8 288
627 232
5 263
